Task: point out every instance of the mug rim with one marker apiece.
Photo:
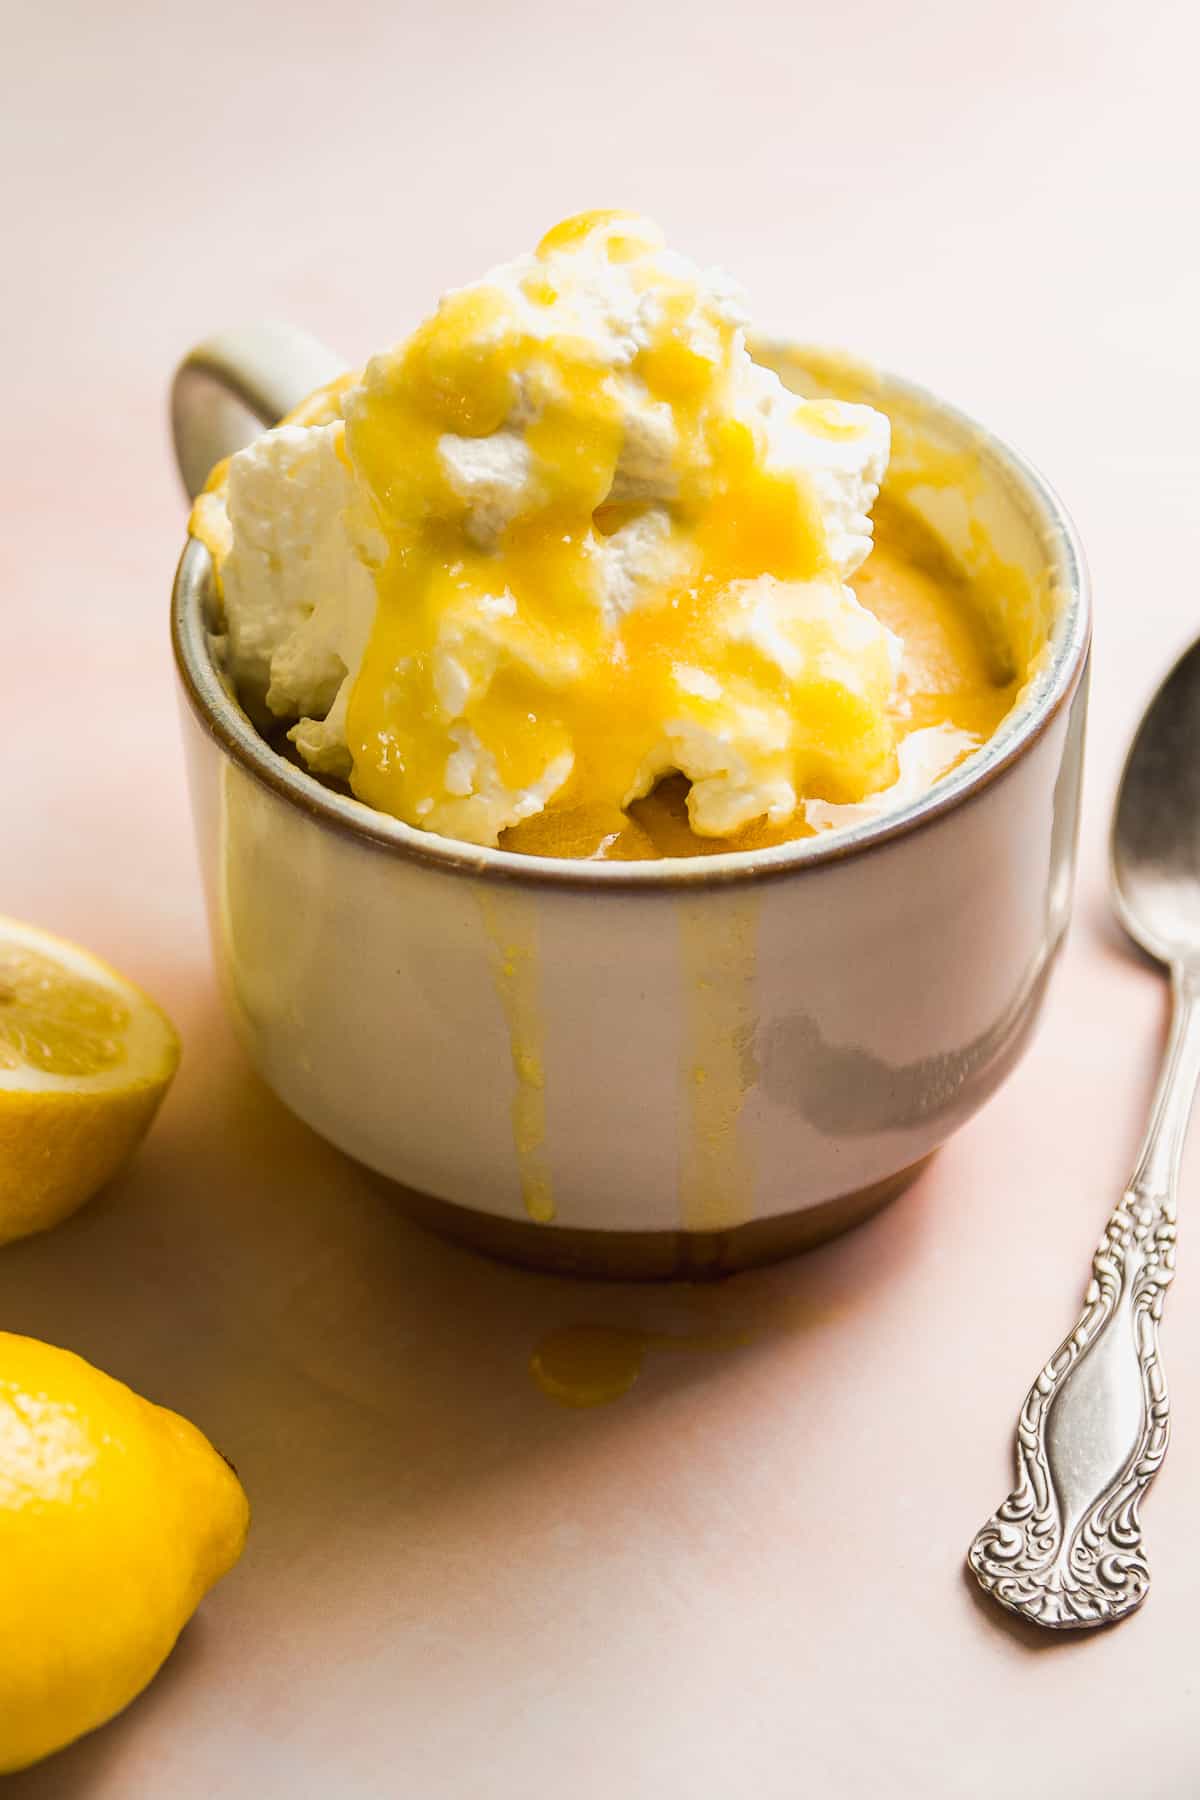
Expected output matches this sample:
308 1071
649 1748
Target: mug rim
1049 691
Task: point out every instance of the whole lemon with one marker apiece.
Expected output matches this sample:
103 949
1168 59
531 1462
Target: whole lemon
116 1517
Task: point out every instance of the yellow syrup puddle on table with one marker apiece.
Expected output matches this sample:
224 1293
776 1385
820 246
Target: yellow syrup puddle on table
511 925
718 954
593 1365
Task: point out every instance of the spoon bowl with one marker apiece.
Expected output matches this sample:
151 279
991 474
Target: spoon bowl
1156 822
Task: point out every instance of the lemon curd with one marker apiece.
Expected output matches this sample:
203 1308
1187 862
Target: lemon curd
953 673
619 601
557 685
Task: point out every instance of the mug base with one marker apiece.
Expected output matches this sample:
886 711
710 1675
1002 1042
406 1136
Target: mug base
653 1255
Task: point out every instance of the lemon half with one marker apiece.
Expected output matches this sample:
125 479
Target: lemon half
85 1059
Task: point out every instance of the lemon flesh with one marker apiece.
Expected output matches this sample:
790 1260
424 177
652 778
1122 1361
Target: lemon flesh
116 1517
85 1059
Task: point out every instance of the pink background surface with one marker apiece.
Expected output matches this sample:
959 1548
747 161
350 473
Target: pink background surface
744 1578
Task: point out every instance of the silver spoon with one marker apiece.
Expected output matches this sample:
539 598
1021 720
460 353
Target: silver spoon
1065 1549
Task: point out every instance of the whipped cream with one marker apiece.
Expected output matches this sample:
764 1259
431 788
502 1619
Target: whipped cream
565 539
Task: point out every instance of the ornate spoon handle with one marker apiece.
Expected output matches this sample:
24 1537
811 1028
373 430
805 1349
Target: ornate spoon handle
1065 1549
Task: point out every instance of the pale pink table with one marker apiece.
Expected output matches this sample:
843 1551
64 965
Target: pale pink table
743 1579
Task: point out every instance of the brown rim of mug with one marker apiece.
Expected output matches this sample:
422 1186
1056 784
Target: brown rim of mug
1051 690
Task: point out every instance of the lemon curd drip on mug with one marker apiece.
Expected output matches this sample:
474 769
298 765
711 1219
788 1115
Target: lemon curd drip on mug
615 579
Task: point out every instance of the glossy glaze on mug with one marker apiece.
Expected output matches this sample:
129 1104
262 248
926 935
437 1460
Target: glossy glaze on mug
654 1047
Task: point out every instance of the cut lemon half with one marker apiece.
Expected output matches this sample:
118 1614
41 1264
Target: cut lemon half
85 1059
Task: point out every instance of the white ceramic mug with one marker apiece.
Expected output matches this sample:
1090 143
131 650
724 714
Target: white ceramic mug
643 1068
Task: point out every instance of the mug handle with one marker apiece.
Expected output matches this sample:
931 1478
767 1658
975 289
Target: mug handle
234 385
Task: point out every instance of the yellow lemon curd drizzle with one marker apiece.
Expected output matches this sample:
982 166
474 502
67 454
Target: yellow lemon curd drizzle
568 683
510 921
551 677
950 674
719 963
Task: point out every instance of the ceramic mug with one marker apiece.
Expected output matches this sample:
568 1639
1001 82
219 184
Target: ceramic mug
670 1067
